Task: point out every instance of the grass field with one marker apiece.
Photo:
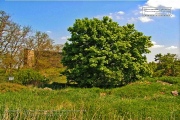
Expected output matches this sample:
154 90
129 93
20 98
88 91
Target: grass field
150 99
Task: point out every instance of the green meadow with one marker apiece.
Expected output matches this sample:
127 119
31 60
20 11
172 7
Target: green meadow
148 99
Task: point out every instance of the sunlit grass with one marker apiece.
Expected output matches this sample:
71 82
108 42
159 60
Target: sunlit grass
139 100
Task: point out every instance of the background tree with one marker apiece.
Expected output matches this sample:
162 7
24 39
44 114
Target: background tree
13 37
153 66
46 53
167 65
4 22
102 53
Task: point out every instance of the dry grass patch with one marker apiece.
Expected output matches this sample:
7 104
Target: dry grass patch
10 87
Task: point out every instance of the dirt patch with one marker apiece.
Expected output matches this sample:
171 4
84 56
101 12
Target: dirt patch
164 83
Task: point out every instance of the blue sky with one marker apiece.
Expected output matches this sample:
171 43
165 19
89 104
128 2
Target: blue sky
54 17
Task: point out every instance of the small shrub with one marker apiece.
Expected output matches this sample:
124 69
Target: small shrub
53 74
29 76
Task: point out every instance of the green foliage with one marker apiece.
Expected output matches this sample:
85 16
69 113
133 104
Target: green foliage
53 74
29 76
101 53
167 65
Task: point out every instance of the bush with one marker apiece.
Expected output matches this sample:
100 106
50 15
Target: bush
29 76
53 74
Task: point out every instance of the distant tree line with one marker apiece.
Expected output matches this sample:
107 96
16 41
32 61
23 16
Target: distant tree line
14 38
165 65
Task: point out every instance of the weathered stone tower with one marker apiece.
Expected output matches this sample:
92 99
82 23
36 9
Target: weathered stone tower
29 58
42 59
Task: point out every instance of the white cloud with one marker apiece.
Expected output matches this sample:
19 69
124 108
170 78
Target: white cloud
140 9
132 20
110 16
115 15
121 12
172 16
65 37
99 16
137 12
119 18
175 4
145 19
171 47
153 42
48 31
156 45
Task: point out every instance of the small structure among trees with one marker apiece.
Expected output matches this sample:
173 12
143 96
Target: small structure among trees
29 58
19 47
42 59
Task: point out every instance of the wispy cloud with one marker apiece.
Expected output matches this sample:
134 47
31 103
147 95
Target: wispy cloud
48 31
172 16
145 19
137 16
153 42
171 47
156 45
121 12
65 37
116 15
132 19
174 4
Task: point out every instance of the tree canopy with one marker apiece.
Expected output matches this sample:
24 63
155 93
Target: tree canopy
102 53
165 65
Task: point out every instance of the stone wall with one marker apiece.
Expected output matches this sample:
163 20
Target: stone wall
29 58
42 59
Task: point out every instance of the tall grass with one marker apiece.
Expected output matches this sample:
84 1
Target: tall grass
140 100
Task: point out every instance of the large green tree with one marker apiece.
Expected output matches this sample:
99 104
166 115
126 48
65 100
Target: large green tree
101 53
